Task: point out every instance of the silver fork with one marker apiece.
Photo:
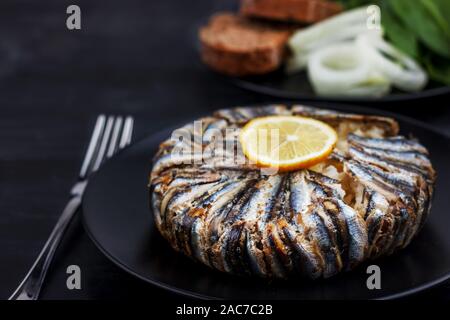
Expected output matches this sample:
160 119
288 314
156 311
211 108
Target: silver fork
110 135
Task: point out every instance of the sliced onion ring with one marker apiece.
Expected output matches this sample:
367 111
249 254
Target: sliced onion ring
301 39
299 59
352 79
370 90
411 78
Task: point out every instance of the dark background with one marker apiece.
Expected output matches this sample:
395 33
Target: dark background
135 57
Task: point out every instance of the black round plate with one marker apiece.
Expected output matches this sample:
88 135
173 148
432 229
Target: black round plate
297 86
117 217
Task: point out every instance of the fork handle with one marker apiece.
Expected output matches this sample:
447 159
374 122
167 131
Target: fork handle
31 285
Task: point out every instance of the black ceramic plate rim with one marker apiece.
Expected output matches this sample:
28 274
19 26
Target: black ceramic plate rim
282 94
339 107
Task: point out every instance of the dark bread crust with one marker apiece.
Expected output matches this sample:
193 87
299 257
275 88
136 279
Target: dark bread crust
236 46
304 11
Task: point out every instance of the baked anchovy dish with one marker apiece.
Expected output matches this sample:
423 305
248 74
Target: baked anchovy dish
369 198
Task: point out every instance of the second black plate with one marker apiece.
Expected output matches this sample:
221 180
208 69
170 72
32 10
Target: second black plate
297 86
117 217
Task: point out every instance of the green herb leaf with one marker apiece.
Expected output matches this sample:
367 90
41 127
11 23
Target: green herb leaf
436 9
418 19
398 34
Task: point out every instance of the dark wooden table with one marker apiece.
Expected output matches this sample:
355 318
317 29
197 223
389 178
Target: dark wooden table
135 57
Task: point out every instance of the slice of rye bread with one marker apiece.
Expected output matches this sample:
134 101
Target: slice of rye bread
237 46
303 11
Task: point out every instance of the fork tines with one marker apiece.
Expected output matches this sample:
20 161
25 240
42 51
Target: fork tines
111 133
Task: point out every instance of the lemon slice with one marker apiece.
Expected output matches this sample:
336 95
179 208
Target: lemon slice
287 142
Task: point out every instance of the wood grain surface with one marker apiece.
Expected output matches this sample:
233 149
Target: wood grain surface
135 57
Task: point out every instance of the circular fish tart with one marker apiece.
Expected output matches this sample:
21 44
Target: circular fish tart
368 199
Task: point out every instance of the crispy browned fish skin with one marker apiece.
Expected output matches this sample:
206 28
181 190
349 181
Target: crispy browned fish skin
232 218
